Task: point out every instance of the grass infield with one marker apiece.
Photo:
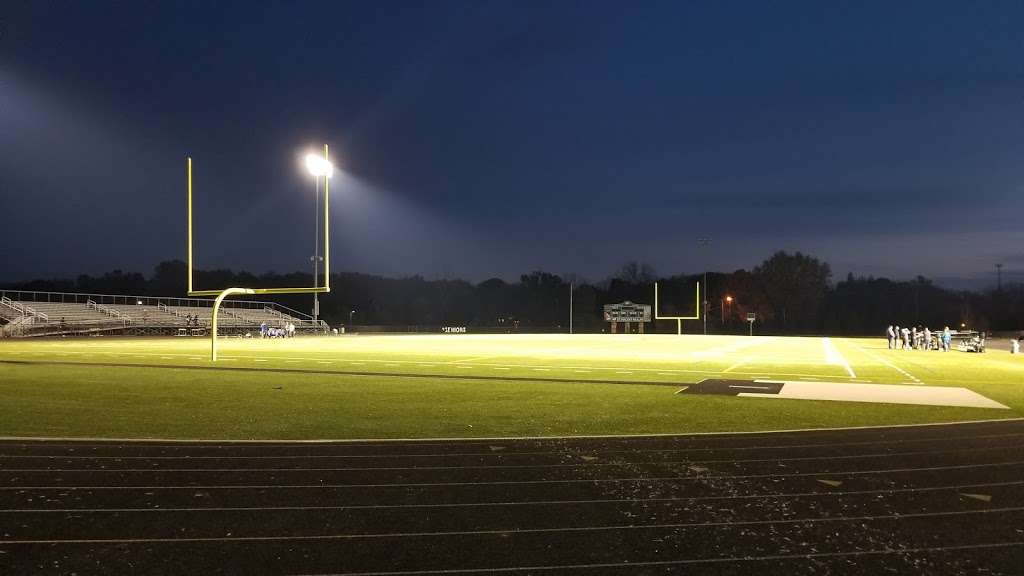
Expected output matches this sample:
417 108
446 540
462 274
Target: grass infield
433 386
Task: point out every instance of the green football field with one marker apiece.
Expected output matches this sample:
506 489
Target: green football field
434 386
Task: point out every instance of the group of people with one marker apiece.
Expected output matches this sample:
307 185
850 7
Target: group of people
286 331
917 338
192 320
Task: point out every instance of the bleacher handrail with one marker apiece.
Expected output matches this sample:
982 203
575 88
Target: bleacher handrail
116 299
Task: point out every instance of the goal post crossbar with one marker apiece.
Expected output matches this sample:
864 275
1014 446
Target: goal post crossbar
678 319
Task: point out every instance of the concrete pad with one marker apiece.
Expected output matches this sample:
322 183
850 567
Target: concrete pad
880 393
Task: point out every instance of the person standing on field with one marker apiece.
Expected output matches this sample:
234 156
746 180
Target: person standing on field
906 338
892 337
947 339
927 338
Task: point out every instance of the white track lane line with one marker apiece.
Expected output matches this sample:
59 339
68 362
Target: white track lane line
673 478
634 564
505 532
517 466
825 495
757 447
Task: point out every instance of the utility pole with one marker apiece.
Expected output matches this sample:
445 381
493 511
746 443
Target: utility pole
570 307
704 242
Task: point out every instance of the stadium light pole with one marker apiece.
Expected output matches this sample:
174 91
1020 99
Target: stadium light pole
570 307
350 314
318 167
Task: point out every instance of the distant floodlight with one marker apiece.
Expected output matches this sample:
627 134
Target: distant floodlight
317 166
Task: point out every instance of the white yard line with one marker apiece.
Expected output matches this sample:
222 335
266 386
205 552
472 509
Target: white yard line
877 358
735 366
833 356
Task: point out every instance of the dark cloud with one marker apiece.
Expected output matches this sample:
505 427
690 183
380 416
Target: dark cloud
487 139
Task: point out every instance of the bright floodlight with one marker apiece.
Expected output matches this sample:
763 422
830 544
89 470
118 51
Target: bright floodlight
317 166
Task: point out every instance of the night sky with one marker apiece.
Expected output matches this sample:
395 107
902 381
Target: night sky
484 139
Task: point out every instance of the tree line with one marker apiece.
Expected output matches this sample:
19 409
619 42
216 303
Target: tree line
789 293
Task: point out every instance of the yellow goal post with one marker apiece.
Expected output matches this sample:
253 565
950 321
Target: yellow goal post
678 319
222 293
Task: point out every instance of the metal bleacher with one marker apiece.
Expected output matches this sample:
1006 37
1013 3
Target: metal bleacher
59 313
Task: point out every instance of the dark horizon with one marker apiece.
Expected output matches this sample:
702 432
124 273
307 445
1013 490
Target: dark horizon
484 140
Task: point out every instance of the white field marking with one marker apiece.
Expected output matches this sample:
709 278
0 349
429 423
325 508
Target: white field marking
582 371
833 356
218 444
324 362
666 374
735 366
166 358
673 478
518 466
506 531
501 368
763 447
541 369
259 360
890 365
623 372
883 394
778 495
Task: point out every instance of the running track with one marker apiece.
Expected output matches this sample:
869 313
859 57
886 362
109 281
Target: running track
915 500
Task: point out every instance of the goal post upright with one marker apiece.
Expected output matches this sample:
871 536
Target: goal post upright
223 293
678 319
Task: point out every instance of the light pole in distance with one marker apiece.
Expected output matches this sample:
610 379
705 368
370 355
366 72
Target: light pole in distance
318 167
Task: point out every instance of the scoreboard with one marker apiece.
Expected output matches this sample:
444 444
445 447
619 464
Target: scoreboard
627 312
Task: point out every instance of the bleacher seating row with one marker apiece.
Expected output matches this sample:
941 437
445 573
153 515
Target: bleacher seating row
30 315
